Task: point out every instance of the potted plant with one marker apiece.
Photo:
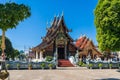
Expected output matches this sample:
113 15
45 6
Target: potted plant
42 65
83 65
110 66
80 63
90 65
18 66
50 65
30 66
100 65
7 66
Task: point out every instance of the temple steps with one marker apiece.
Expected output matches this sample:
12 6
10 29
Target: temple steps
72 68
64 63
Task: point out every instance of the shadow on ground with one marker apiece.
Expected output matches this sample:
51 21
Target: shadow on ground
108 79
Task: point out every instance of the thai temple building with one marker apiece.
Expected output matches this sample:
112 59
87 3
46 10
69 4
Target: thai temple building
87 48
59 44
57 40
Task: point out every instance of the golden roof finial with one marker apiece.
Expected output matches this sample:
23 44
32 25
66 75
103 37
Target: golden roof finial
47 25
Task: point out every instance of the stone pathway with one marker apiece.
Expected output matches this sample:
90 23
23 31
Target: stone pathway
65 74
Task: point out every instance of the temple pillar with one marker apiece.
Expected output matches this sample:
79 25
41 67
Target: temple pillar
93 56
54 47
68 54
56 56
41 55
66 50
36 55
56 52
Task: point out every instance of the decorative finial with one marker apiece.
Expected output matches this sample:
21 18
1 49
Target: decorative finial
47 25
51 22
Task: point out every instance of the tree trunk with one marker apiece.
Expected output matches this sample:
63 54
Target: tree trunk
3 44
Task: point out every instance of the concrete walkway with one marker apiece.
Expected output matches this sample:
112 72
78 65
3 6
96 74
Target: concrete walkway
65 74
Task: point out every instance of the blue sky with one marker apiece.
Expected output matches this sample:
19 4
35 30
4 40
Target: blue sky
78 15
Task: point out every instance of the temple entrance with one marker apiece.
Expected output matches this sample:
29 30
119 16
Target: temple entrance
61 53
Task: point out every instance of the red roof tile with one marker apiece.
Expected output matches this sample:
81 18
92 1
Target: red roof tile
80 41
84 43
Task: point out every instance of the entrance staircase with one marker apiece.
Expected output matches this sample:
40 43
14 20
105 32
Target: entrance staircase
64 63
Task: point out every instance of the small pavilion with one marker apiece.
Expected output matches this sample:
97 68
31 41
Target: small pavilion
87 48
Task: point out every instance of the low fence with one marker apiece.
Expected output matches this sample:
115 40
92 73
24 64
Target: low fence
25 65
103 65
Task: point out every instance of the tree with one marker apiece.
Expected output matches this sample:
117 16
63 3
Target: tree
107 21
10 51
10 16
16 53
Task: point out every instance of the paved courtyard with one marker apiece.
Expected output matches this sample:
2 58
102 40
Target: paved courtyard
65 74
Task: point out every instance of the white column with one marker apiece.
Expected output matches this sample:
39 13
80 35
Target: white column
41 55
36 55
56 53
56 56
119 55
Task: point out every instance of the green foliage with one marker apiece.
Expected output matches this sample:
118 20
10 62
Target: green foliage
82 64
100 65
110 65
90 65
107 21
49 58
15 54
18 65
11 14
42 65
50 65
30 65
21 56
7 66
10 51
106 54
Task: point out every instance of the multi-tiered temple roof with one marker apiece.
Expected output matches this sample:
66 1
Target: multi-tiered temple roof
58 25
85 44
